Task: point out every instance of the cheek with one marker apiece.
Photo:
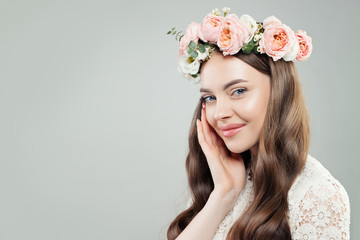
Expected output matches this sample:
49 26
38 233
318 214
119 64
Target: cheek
254 108
210 113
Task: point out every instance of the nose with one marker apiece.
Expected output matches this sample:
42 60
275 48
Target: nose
223 110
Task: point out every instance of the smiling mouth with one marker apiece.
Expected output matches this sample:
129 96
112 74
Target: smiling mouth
231 132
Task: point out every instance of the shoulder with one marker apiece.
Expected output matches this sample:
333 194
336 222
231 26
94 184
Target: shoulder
315 177
318 204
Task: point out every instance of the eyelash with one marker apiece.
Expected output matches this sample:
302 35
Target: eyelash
205 98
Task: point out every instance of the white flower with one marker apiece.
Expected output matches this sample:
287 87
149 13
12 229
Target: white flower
290 56
258 36
252 25
216 12
195 80
191 78
187 64
202 56
226 10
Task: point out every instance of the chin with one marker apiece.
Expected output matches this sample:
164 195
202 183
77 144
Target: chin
239 146
236 148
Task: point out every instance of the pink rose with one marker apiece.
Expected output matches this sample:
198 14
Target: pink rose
278 40
270 21
210 28
233 34
191 34
305 46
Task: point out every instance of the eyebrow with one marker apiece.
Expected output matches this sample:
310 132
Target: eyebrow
227 85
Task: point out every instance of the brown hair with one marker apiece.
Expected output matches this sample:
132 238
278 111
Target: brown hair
282 150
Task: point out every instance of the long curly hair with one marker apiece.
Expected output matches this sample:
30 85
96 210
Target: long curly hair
282 151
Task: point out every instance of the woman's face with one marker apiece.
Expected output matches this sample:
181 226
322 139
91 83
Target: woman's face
236 96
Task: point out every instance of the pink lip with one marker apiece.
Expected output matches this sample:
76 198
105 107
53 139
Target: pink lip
231 129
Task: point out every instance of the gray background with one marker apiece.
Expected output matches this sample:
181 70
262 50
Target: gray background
94 116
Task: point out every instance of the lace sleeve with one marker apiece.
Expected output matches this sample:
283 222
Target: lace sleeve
323 213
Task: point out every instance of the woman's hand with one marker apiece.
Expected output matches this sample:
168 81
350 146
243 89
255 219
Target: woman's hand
227 170
229 176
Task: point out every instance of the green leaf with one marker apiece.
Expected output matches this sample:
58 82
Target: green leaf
168 32
192 45
201 48
247 49
173 33
192 53
194 75
255 50
173 28
251 43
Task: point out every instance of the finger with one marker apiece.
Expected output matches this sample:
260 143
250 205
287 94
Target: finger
208 131
201 137
210 156
208 149
203 121
212 134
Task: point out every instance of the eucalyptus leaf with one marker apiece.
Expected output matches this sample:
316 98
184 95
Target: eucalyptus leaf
168 32
193 54
192 45
189 51
201 48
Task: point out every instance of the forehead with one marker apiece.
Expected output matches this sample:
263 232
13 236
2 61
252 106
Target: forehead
219 70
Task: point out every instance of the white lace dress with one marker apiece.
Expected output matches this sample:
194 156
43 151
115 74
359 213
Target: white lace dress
319 206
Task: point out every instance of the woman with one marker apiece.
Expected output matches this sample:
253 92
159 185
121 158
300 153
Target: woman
248 166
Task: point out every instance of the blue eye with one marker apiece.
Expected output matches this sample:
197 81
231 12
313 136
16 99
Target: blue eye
207 99
239 91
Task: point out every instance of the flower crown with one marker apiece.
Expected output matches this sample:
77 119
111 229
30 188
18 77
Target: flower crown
232 34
